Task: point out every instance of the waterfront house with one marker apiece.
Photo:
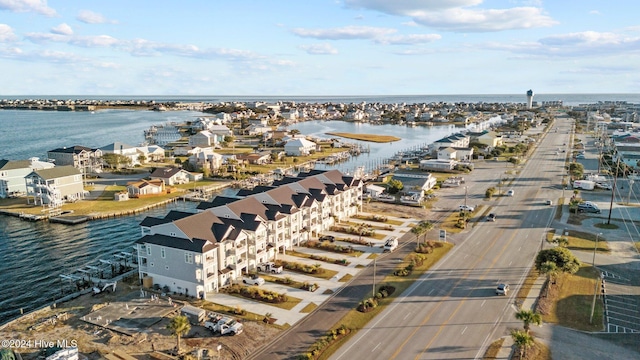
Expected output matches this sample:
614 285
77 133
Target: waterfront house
12 173
299 147
206 158
171 175
203 139
143 188
82 158
196 254
151 153
54 186
128 151
261 158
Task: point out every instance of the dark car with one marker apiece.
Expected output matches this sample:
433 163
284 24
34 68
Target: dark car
327 238
491 217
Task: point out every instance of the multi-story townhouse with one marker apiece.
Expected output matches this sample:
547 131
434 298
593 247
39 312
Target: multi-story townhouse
12 173
82 158
230 236
54 186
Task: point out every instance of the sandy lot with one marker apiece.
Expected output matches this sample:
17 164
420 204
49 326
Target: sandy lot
95 341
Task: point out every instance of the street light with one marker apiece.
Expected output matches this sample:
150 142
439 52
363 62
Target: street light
595 291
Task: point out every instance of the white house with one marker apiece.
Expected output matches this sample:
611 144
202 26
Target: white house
206 158
119 148
299 147
12 173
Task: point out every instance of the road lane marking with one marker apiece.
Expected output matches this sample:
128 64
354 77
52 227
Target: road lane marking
466 256
463 330
483 301
430 291
510 262
374 349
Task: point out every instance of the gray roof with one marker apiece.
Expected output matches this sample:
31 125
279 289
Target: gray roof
57 172
72 150
14 164
195 245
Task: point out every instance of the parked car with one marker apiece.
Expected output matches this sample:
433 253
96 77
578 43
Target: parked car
502 289
466 208
491 217
548 202
330 238
604 186
252 279
588 207
511 193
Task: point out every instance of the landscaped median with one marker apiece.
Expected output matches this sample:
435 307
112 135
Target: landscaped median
356 320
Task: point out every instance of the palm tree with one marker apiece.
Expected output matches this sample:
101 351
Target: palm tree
426 227
528 317
179 326
522 341
550 269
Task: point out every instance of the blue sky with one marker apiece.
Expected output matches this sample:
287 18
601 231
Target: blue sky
318 47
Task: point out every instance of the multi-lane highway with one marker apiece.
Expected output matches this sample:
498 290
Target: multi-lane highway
453 312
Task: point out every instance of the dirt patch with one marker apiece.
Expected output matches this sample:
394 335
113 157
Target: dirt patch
400 211
65 323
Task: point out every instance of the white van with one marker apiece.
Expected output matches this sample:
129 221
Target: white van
391 244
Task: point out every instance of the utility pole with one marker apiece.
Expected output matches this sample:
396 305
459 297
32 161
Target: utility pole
613 190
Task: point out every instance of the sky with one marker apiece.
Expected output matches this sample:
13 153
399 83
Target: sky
318 47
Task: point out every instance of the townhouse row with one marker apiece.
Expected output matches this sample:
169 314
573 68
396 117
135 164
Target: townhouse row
198 253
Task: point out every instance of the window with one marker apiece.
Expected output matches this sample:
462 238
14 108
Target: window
188 258
163 253
199 274
148 250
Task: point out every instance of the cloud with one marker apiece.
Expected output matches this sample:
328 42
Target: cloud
62 29
6 33
344 33
458 16
595 12
90 17
412 39
37 6
579 44
319 49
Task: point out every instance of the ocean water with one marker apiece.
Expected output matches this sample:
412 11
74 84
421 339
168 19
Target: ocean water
34 254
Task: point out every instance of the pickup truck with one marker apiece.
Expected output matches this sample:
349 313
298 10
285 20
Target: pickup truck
270 267
252 279
224 326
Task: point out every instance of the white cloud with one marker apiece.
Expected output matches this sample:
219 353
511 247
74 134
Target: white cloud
580 44
463 20
6 33
408 7
595 12
62 29
90 17
344 33
319 49
411 39
37 6
460 15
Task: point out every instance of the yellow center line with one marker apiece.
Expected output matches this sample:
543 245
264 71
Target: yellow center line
428 317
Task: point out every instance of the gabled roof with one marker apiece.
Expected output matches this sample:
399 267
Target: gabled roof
57 172
116 146
14 164
165 173
77 149
195 245
215 202
173 215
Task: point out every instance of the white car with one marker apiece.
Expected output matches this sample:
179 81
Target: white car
502 289
466 208
252 280
510 193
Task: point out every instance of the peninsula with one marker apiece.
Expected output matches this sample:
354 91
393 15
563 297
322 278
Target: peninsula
366 137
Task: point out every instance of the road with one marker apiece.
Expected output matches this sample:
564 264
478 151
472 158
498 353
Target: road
453 312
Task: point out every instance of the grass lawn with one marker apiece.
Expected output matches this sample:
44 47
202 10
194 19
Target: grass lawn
527 285
356 320
366 137
569 301
493 349
287 305
449 223
309 308
583 241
